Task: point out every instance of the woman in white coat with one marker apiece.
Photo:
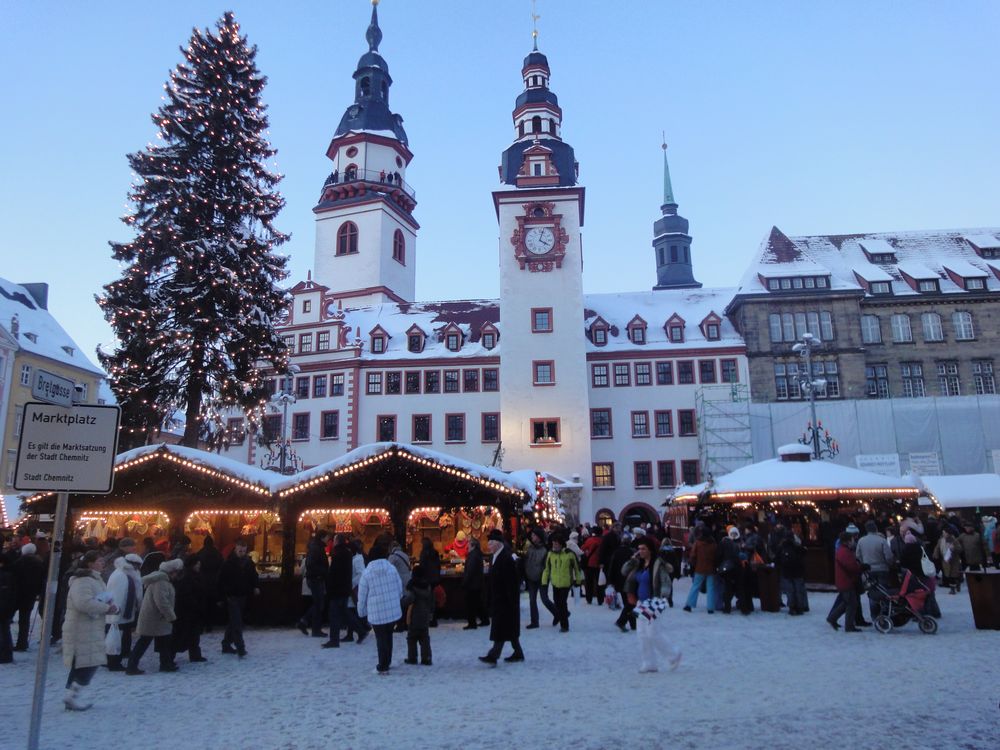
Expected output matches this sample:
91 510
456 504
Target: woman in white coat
87 604
125 587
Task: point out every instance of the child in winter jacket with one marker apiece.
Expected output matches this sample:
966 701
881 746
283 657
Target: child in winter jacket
418 604
562 570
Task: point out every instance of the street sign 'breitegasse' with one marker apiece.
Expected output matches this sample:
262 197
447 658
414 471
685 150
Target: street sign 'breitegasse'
67 450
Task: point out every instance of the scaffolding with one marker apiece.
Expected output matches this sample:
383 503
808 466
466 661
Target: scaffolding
724 438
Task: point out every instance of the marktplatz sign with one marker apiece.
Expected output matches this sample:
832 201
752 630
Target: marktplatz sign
67 450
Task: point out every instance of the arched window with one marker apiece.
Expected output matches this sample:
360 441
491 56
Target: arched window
552 126
536 124
351 172
520 129
673 253
399 247
347 238
366 86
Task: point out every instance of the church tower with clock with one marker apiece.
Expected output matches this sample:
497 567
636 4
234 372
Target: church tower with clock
543 369
365 230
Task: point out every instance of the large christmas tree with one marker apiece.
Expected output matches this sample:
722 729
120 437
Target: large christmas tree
193 310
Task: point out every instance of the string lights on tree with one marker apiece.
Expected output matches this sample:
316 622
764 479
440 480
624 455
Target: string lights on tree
194 308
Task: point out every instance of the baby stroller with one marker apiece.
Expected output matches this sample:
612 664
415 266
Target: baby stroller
899 607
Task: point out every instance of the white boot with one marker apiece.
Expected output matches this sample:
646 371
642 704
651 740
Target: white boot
73 699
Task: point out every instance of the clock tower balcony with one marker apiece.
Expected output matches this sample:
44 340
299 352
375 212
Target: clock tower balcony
355 183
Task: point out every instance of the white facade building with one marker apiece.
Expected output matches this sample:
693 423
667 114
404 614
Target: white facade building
599 391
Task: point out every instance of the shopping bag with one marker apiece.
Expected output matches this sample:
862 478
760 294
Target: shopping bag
602 580
113 641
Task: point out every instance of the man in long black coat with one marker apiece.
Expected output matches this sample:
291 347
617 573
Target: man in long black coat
505 604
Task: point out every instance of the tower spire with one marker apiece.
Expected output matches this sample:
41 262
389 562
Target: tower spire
374 33
668 189
534 26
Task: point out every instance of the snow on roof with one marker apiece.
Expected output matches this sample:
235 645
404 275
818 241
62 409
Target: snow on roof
777 476
656 307
983 241
926 253
877 247
963 490
270 482
870 272
916 270
38 331
962 267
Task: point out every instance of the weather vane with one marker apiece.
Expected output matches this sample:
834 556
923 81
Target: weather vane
534 24
664 147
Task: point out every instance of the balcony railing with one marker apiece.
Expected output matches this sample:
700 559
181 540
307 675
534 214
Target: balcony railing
389 179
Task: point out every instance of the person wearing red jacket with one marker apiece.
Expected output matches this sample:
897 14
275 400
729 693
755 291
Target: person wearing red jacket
592 567
846 573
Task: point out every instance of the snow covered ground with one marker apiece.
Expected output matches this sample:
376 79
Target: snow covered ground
764 681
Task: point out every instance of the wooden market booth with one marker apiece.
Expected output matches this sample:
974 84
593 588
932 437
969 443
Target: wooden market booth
968 495
166 491
812 498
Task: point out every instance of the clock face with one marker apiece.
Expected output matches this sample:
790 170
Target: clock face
539 240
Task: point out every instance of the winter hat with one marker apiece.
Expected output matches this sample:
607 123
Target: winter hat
28 549
584 534
133 558
734 533
460 536
126 541
909 538
573 536
495 535
41 535
171 566
852 529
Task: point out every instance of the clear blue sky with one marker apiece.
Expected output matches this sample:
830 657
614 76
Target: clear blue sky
829 117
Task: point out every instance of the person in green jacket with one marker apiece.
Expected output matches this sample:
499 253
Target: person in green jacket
562 571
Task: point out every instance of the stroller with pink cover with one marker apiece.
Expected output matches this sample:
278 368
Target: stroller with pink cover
900 607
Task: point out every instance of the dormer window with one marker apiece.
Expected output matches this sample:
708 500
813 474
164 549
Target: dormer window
712 331
453 342
972 285
307 305
378 344
927 285
599 332
69 350
414 342
32 337
489 340
881 287
637 330
711 327
379 340
676 334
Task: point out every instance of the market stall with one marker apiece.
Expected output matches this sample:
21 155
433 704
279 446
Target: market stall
812 498
969 495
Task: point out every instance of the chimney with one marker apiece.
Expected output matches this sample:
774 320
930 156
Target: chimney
39 292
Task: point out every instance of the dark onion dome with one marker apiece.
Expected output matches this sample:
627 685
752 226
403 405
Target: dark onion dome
370 110
536 58
536 96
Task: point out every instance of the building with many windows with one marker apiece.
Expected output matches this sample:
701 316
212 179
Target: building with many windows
598 390
897 315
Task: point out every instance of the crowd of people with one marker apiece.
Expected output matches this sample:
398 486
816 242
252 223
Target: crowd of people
117 598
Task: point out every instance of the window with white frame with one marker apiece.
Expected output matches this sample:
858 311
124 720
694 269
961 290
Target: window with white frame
25 374
871 329
877 381
913 379
948 381
982 376
962 322
901 332
931 323
640 424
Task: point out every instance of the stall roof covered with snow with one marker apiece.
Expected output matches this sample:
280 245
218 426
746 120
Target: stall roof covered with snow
794 476
963 490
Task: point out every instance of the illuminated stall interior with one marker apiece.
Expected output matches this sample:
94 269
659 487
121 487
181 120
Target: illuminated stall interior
365 524
261 529
139 524
450 531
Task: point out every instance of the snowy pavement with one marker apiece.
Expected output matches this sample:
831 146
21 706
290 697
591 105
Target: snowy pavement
764 681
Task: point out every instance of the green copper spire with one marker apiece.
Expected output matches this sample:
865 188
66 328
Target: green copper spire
668 190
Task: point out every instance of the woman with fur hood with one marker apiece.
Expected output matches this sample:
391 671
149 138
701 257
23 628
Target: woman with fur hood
156 617
125 587
87 603
647 586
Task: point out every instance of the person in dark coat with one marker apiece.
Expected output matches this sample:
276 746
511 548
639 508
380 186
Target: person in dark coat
339 587
430 561
211 564
505 604
418 608
189 606
152 557
8 605
472 583
29 572
610 541
621 555
315 571
237 583
791 563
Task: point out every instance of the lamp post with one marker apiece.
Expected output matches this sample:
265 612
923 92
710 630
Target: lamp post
285 396
809 386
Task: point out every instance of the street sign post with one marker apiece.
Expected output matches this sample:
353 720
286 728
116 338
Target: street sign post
52 389
63 448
